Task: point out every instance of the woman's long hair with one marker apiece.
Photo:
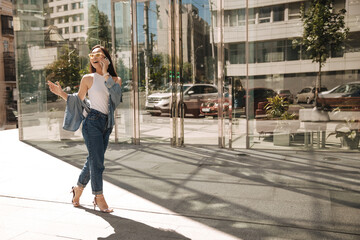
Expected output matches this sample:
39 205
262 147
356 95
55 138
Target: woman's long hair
111 68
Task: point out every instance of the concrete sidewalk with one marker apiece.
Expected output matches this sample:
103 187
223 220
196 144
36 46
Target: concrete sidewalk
160 192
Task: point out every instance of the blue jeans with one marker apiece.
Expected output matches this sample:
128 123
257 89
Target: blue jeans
96 136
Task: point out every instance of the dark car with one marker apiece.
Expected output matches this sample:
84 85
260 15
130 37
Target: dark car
286 94
345 96
257 101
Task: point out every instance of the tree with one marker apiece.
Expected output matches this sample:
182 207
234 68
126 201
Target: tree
324 32
158 70
27 81
66 69
99 31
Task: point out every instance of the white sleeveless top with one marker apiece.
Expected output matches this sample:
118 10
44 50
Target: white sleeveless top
99 94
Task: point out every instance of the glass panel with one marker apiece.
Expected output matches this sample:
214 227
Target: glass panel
154 70
199 49
60 53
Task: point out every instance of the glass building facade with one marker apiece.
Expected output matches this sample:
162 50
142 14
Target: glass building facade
193 72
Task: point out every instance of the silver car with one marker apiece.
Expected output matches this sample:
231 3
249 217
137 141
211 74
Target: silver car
194 96
307 95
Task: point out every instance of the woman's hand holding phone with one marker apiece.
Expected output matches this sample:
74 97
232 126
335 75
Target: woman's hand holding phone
104 64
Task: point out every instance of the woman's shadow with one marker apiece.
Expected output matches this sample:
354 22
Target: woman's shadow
126 229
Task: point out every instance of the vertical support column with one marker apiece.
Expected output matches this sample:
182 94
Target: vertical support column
247 75
180 114
147 49
231 107
113 57
220 53
172 73
135 89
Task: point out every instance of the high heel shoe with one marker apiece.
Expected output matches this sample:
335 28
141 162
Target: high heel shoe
73 191
106 209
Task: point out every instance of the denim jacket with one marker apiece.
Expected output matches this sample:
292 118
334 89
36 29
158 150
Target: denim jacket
75 107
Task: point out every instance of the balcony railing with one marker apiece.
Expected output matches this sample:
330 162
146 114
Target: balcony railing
7 31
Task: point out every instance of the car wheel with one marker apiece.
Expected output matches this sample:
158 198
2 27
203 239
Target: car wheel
196 114
296 100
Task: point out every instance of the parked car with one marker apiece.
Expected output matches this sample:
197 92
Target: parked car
194 96
345 96
307 95
257 97
30 98
286 94
11 115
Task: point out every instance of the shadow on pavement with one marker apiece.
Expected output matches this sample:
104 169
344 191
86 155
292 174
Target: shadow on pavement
131 230
243 193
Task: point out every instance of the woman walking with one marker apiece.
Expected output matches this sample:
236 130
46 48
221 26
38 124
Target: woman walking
103 87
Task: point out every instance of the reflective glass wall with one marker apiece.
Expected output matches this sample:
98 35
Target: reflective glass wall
53 40
205 72
262 62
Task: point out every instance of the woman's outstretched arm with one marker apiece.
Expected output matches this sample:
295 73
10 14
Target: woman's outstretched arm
84 86
56 89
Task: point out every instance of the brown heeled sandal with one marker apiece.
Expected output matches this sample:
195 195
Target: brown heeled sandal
73 190
106 210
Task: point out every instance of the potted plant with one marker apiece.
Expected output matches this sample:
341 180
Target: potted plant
349 134
277 109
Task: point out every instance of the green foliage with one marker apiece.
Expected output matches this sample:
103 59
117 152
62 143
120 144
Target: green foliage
66 69
324 30
27 81
277 108
123 72
158 70
99 31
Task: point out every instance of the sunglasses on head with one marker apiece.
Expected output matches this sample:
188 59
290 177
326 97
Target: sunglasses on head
92 55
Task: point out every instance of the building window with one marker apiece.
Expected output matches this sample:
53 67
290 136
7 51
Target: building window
81 5
34 2
7 25
292 53
65 7
60 20
252 16
58 8
26 1
278 13
233 18
82 28
6 46
81 16
74 18
66 19
73 6
294 10
75 29
241 17
277 53
237 53
264 14
66 30
60 30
